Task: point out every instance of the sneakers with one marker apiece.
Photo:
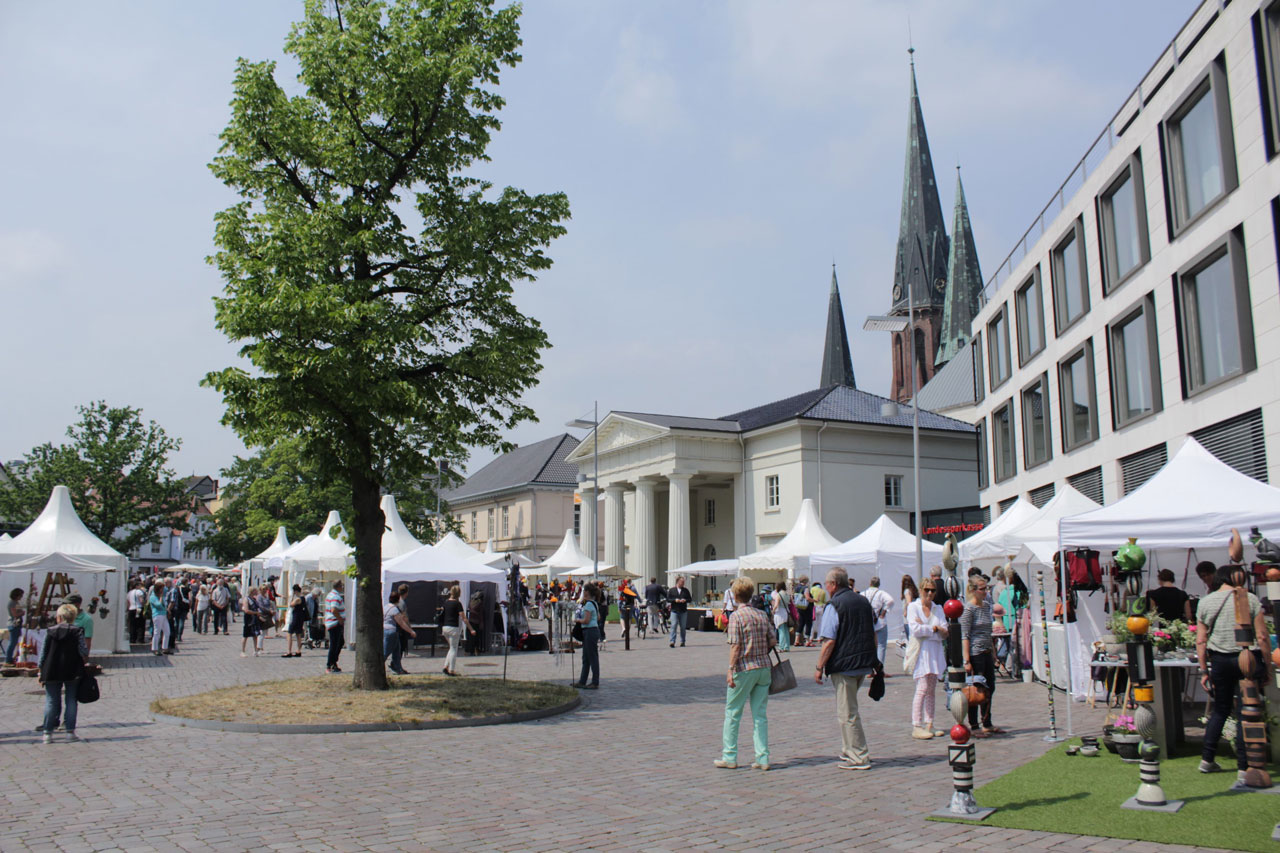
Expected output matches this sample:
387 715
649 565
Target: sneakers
725 765
849 765
673 645
758 766
1210 767
72 737
46 738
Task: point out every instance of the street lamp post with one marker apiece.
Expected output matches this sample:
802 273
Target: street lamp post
594 426
881 323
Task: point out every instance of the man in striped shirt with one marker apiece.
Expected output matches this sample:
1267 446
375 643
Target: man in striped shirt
335 617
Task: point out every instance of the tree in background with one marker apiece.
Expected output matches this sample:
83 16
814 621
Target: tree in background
279 486
368 277
116 468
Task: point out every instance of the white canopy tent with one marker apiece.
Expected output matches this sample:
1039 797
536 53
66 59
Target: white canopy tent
58 541
1037 538
448 564
396 538
253 571
992 545
706 569
791 553
885 550
569 557
5 537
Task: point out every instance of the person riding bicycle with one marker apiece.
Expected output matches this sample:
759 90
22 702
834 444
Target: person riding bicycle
653 596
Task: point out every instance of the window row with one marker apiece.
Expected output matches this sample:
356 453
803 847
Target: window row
1198 158
1215 343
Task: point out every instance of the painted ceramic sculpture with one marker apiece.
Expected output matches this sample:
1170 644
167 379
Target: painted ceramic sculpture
1142 675
1253 725
950 581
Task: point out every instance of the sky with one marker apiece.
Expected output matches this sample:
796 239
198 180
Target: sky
719 157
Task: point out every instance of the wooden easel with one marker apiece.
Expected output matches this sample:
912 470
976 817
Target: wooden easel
56 587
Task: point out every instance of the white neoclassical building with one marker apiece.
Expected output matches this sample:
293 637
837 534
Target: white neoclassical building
680 489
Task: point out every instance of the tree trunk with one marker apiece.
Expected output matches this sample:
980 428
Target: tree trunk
369 522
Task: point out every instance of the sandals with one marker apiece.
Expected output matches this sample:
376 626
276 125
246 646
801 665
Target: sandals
994 730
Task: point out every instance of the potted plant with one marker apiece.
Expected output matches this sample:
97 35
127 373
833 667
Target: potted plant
1122 738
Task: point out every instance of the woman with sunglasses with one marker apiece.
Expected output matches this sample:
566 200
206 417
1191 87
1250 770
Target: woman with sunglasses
929 629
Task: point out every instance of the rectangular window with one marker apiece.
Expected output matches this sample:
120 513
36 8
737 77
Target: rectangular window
1266 35
979 379
772 492
1078 397
998 347
1041 496
490 533
893 490
1003 444
1135 369
1070 282
1122 223
1037 448
506 522
1215 325
711 512
1029 303
577 519
1240 442
983 482
473 527
1200 160
1006 503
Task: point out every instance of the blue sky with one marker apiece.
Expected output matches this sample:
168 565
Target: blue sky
718 155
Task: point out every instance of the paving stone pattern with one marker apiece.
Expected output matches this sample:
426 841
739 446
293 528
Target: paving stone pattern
630 770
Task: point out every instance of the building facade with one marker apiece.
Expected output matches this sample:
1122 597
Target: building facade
1143 305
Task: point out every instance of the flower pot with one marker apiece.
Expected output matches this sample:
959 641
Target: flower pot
1109 744
1126 745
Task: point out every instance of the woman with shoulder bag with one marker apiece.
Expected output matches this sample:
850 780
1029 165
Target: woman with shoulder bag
62 657
750 641
588 616
782 616
927 630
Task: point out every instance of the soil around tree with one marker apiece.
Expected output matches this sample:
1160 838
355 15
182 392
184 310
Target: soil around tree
329 700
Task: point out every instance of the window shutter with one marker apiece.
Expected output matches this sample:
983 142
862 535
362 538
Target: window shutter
1007 502
1239 442
1088 483
1142 466
1042 495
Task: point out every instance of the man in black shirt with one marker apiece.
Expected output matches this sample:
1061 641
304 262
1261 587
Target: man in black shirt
653 595
680 598
1169 601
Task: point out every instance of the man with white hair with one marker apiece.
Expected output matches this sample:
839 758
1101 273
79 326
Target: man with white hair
881 604
848 656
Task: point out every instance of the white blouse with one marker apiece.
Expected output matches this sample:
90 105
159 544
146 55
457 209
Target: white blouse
933 656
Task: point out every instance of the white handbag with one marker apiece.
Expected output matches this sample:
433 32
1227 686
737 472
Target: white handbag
910 655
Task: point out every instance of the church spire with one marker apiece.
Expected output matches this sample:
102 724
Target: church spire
964 283
837 366
922 237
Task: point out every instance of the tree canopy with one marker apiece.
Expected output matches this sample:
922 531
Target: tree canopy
116 468
369 277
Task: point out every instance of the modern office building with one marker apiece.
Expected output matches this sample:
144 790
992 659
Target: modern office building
1142 305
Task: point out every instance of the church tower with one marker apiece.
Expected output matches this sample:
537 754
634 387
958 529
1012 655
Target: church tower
964 283
920 271
837 364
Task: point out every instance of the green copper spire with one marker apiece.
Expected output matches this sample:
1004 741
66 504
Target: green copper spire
964 283
922 236
837 366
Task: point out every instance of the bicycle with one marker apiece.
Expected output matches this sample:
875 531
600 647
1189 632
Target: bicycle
642 622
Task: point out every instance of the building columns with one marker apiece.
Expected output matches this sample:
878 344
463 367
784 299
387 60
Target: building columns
614 532
678 544
644 543
588 541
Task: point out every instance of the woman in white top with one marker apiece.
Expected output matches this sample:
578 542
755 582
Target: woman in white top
927 625
202 610
782 616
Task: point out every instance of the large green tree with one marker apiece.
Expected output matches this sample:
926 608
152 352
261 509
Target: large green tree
368 275
279 486
116 468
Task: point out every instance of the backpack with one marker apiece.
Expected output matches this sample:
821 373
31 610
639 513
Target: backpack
1083 569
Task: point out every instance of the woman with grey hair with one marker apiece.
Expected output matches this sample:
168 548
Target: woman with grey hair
750 640
62 657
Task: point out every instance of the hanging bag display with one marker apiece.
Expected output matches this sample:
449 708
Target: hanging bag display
1084 569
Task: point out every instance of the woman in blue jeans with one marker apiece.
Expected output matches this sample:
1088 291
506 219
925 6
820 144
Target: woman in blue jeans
15 625
62 657
588 617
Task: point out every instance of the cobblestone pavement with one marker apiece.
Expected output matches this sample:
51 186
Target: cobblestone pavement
630 770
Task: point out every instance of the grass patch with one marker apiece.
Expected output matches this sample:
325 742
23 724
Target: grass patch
331 699
1082 796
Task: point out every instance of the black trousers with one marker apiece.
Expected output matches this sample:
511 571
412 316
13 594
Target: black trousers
1224 678
805 624
335 645
219 619
137 627
984 664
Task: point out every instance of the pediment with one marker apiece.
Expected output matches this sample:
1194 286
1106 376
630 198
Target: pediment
616 432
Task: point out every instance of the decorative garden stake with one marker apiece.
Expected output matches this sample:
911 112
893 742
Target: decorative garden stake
961 754
1253 724
1052 736
1142 675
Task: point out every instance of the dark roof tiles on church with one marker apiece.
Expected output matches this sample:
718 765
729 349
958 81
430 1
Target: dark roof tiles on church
541 463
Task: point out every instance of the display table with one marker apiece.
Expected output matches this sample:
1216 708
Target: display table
1171 676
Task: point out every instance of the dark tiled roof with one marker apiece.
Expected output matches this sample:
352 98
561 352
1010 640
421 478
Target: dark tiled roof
779 410
952 386
680 422
854 406
540 463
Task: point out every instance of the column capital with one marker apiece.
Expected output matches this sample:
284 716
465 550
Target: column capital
615 489
680 475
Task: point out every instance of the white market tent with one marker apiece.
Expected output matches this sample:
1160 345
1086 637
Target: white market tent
1037 538
884 549
569 557
253 571
452 544
993 543
706 569
791 553
396 538
58 541
5 537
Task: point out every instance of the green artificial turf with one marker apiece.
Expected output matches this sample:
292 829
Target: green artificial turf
1082 796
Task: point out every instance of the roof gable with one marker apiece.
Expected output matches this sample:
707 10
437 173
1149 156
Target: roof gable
542 463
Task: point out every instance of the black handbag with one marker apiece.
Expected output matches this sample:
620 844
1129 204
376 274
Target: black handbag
876 690
87 690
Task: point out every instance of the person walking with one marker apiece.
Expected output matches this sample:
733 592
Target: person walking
750 638
135 604
881 604
979 654
335 617
781 601
847 656
818 595
926 625
16 612
1219 654
202 609
159 619
653 595
679 596
233 590
588 616
297 627
804 611
393 622
909 595
62 657
453 620
627 610
220 602
251 629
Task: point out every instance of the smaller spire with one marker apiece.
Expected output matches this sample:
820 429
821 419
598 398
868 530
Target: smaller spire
837 366
964 283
